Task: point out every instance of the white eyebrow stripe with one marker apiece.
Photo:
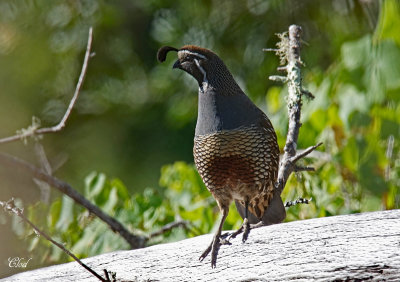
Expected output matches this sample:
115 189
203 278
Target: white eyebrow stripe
193 53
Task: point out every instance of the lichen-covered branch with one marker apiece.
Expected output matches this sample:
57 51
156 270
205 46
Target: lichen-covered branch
298 201
289 53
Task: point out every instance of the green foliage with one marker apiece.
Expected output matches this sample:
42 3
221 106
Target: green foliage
358 127
189 198
141 114
86 235
182 197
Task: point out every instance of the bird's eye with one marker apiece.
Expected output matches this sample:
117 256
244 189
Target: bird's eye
188 59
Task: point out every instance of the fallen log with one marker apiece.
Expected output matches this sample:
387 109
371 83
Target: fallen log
358 247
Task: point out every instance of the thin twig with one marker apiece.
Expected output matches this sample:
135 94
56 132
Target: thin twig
298 201
278 78
35 131
304 153
323 157
9 206
270 50
133 240
45 165
168 227
298 168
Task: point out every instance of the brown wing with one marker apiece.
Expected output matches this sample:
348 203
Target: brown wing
273 210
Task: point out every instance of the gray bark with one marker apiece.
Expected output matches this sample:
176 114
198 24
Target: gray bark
360 247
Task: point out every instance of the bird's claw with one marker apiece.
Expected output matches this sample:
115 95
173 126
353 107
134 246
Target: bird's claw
245 229
205 253
214 248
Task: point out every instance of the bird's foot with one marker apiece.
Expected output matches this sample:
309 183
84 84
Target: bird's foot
245 229
224 239
237 232
214 248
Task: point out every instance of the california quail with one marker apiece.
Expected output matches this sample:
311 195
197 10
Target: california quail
235 148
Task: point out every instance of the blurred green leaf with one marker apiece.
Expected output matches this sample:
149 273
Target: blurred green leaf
350 100
371 178
112 201
66 214
387 56
389 22
359 120
54 213
356 53
274 99
389 128
94 185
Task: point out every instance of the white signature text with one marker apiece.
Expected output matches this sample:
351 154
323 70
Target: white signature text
18 262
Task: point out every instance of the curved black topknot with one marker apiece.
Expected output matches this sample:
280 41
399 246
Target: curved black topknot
162 52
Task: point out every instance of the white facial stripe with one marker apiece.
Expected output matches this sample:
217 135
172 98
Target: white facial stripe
187 52
205 81
201 70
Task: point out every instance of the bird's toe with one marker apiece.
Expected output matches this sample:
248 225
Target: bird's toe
246 230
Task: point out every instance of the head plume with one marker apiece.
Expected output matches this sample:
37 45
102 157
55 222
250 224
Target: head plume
163 51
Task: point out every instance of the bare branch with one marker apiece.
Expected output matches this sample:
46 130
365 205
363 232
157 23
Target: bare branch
9 206
282 68
35 131
304 153
168 227
320 156
133 240
308 94
82 76
270 50
278 78
303 168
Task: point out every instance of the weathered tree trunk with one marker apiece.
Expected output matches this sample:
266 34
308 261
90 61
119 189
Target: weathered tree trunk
360 247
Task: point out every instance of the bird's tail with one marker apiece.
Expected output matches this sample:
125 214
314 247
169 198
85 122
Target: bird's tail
275 212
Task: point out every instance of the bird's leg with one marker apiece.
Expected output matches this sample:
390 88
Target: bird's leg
216 242
240 230
245 228
246 224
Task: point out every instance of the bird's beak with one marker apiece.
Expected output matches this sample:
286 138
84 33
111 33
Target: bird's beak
177 65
